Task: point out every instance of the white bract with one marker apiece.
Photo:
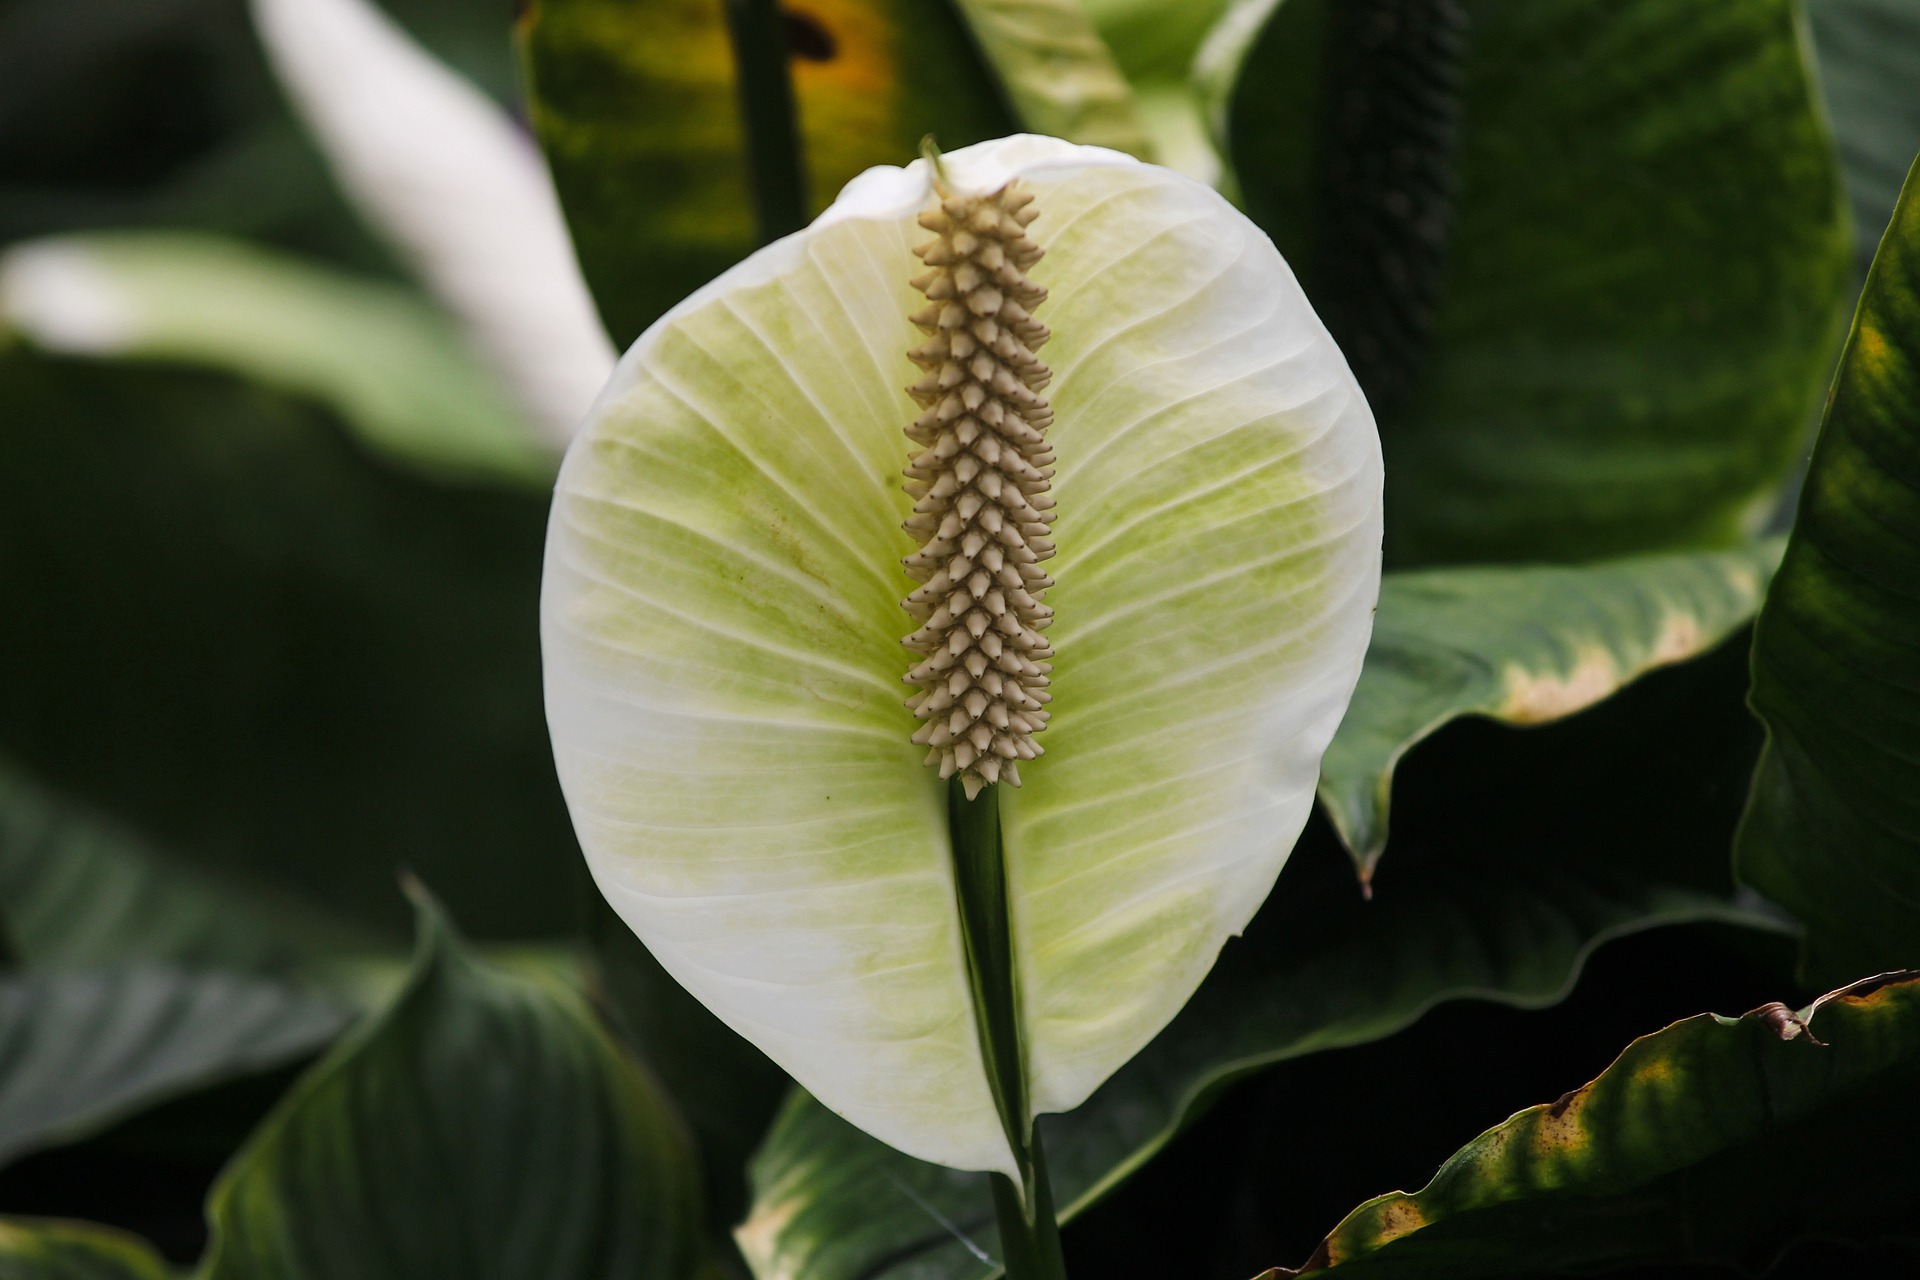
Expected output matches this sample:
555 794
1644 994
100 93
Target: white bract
452 181
721 623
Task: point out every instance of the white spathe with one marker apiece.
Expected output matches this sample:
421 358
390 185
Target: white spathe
458 189
58 294
721 628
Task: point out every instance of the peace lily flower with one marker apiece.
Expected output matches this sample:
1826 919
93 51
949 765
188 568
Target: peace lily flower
733 537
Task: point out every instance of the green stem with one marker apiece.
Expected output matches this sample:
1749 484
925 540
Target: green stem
1029 1236
759 32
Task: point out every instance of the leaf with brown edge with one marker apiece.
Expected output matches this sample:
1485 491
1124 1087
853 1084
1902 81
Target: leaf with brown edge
1526 645
1715 1139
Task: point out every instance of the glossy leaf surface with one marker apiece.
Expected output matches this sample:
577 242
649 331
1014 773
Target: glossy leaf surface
722 638
391 365
48 1249
1524 645
80 1050
482 1126
1716 1139
1587 259
1575 842
1833 829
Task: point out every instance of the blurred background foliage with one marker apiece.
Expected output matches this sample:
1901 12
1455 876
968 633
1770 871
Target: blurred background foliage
268 624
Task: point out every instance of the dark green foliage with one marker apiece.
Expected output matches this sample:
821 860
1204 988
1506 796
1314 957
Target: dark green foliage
1612 290
1869 54
1588 260
635 108
482 1126
313 670
1834 828
82 1049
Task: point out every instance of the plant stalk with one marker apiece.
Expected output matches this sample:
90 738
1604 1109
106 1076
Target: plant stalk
1029 1235
758 30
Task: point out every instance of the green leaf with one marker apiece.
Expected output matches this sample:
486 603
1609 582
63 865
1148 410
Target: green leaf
722 628
79 891
1833 828
483 1126
1155 44
1586 259
1604 824
1716 1139
725 1089
390 364
635 108
1869 54
1057 71
1524 645
81 1050
48 1249
312 668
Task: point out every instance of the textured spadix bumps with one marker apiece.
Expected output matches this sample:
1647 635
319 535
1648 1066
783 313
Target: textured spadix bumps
981 494
722 623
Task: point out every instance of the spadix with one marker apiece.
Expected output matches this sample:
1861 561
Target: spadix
722 627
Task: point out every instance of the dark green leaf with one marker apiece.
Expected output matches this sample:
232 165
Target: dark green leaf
483 1127
1586 259
47 1249
1716 1139
1833 830
1524 645
286 661
635 109
726 1089
80 1050
1869 62
78 891
1517 852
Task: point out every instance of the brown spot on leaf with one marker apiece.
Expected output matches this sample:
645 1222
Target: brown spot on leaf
1783 1021
1399 1218
1562 1127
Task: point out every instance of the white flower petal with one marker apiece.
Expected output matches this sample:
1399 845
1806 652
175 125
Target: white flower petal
721 628
456 186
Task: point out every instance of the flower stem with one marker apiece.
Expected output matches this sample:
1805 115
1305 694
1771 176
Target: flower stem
1029 1235
759 32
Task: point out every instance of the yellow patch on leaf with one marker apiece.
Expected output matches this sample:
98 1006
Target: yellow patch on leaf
1869 349
1562 1128
1537 699
1680 638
